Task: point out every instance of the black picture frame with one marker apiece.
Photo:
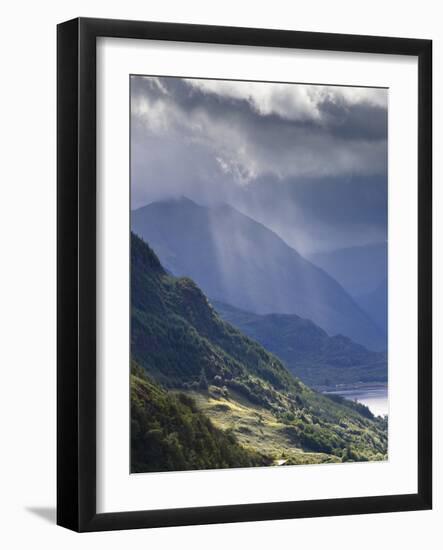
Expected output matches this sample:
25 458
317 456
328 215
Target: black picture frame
76 281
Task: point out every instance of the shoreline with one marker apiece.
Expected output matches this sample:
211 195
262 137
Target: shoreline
364 386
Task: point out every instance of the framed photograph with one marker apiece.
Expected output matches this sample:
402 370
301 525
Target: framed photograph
244 274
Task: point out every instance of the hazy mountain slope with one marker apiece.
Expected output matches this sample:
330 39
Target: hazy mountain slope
306 349
239 261
181 342
375 303
358 269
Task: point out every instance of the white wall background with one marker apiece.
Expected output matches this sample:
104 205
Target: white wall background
27 274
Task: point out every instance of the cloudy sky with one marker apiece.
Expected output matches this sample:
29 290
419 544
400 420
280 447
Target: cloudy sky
308 161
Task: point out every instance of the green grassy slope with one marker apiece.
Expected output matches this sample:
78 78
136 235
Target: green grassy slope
182 343
169 433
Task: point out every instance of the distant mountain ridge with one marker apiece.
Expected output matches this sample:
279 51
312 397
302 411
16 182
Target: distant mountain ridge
237 260
359 269
307 351
362 271
375 303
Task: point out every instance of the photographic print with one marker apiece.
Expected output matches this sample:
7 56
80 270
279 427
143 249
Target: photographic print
258 274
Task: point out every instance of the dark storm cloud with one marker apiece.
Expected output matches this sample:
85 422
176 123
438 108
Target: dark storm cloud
361 121
308 161
313 214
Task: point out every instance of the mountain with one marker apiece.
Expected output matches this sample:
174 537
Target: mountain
362 271
306 349
358 269
375 303
167 310
184 346
238 261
